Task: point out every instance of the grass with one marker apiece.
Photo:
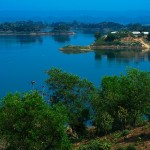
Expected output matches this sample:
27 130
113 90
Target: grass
135 139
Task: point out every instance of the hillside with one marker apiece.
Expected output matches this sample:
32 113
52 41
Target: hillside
138 137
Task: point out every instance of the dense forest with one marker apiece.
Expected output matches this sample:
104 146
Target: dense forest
103 27
62 116
22 26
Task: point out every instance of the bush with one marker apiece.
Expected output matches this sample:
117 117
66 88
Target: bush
116 136
96 145
27 122
125 132
104 122
92 145
121 148
131 147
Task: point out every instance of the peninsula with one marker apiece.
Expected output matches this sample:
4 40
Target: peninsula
123 40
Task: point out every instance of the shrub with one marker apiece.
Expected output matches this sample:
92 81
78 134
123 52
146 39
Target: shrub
125 132
92 145
116 136
120 148
96 145
104 122
131 147
27 122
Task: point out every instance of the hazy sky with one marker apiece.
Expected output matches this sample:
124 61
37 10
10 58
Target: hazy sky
99 5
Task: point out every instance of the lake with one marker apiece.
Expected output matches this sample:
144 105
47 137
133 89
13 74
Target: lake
26 58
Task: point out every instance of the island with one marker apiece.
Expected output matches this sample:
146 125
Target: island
75 49
34 28
121 40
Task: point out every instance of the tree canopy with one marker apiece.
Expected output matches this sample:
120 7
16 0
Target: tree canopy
27 122
74 93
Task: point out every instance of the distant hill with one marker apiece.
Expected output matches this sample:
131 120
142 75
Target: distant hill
123 17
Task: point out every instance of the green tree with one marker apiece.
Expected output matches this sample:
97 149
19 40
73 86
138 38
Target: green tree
61 28
122 116
104 122
125 97
74 93
111 37
27 122
97 35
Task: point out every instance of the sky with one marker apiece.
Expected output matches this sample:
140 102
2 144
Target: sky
56 5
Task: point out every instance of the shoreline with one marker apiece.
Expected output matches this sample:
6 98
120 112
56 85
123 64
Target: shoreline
143 46
102 47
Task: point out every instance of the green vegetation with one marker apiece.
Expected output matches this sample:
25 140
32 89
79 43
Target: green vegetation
119 104
61 28
22 27
74 93
115 39
97 35
96 145
124 98
106 41
103 27
130 147
75 48
27 122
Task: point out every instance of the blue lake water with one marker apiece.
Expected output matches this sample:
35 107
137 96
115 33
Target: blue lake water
26 58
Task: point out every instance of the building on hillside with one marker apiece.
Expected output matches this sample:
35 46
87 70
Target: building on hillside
136 33
145 34
114 32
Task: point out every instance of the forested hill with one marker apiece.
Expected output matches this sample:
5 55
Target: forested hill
123 17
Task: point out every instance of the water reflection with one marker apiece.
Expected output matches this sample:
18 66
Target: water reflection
61 38
29 39
21 39
122 56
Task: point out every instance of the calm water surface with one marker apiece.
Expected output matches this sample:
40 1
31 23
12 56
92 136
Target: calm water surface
26 58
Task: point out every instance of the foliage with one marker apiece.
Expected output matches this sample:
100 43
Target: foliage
71 47
61 28
131 147
22 27
96 145
125 97
104 122
121 148
111 37
116 136
125 132
102 41
122 116
135 27
74 93
27 122
97 35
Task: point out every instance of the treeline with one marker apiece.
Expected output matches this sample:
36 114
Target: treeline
103 27
119 103
22 26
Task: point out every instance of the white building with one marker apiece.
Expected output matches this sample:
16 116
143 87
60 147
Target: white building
136 33
114 32
145 33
